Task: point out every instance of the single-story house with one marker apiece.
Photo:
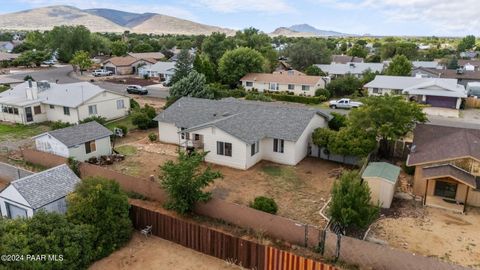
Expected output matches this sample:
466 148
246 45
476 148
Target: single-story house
162 70
34 102
447 166
354 69
468 54
157 56
462 75
45 190
382 178
8 57
6 46
427 64
297 83
240 133
345 59
437 92
81 141
283 65
125 65
470 64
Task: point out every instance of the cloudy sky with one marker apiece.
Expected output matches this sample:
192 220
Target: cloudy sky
377 17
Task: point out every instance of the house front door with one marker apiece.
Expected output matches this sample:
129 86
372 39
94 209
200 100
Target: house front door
28 114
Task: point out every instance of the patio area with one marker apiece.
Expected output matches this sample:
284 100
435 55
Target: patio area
443 203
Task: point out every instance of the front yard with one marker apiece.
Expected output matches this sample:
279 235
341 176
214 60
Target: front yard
300 191
431 232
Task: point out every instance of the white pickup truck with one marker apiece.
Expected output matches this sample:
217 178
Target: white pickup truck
344 103
102 72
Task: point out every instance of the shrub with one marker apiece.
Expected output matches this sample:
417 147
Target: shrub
59 124
410 170
134 104
123 128
146 77
99 119
264 204
258 96
298 99
338 121
74 165
143 118
322 92
28 77
152 136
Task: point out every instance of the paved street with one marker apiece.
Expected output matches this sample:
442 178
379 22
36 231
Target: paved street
60 74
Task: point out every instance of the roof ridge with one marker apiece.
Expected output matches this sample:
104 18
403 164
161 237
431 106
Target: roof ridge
37 173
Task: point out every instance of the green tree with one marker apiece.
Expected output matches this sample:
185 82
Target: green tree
66 40
82 60
350 206
100 44
338 121
387 117
452 63
203 65
32 58
374 58
368 76
466 43
215 45
400 66
185 180
143 117
314 70
183 66
254 39
358 51
346 85
100 202
307 52
352 142
142 47
119 48
194 85
237 63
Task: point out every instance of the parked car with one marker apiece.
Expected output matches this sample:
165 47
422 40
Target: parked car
344 103
49 62
137 89
101 72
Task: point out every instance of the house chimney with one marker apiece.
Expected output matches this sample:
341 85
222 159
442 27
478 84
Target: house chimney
29 83
31 91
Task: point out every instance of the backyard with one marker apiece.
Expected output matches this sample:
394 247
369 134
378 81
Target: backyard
155 253
431 232
10 131
300 191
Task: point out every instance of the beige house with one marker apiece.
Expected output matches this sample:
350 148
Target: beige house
35 102
126 65
447 166
284 81
382 178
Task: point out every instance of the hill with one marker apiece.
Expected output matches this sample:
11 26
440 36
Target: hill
123 18
306 28
284 31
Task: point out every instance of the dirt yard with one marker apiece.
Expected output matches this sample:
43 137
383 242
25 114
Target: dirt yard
157 103
300 191
155 253
131 80
3 184
432 232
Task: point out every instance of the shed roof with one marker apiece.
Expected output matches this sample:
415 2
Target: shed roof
78 134
42 188
382 170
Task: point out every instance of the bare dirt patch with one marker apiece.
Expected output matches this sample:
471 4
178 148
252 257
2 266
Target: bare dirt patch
156 103
131 80
155 253
3 183
432 232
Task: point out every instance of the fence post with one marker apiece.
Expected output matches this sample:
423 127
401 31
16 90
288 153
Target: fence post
306 235
337 250
322 240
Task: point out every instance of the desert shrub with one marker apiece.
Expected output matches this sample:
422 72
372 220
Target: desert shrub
152 136
323 92
59 124
99 119
264 204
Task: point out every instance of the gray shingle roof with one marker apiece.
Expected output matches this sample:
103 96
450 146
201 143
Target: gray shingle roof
249 121
79 134
48 186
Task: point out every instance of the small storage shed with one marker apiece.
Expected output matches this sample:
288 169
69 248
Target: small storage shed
382 180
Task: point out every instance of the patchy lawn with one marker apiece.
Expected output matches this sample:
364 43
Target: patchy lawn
126 121
10 131
127 150
432 232
156 253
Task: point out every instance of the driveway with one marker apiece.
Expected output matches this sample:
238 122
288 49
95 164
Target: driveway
443 112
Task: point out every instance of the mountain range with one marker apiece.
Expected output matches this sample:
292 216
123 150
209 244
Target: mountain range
110 20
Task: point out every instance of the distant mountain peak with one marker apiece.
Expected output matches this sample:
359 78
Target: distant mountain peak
306 28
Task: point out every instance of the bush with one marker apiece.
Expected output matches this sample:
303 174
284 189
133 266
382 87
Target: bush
143 118
170 101
338 121
258 96
123 128
407 169
134 104
298 99
264 204
28 77
99 119
146 77
74 165
152 137
322 92
59 124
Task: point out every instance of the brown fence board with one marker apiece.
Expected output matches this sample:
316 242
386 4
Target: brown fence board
282 260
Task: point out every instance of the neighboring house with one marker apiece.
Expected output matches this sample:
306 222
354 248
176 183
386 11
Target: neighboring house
6 46
382 178
125 65
8 57
469 65
445 93
283 66
355 69
427 64
469 54
157 56
34 102
289 72
447 166
473 89
462 75
162 70
290 81
240 133
176 51
345 59
45 190
81 141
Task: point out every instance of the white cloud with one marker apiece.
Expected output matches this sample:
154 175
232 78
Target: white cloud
231 6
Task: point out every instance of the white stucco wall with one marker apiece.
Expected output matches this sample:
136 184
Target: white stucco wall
56 114
301 145
11 196
49 144
103 147
21 117
168 133
381 191
262 86
106 106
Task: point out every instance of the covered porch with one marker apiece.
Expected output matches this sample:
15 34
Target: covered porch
447 187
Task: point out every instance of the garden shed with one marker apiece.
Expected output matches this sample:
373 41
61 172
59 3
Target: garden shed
382 179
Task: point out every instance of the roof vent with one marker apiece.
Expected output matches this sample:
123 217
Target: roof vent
413 149
226 114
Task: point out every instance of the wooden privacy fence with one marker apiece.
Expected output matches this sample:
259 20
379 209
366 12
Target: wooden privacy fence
472 102
277 259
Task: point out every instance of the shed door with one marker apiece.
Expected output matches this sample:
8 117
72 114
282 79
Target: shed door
443 102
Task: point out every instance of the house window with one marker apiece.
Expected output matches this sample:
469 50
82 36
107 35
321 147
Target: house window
92 109
184 135
14 211
15 111
120 104
254 148
445 189
37 110
291 87
375 90
273 86
52 107
66 110
90 147
305 87
249 84
278 145
224 149
397 91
